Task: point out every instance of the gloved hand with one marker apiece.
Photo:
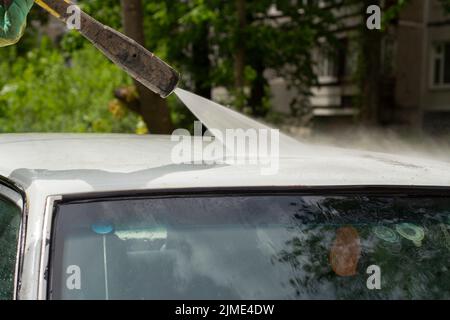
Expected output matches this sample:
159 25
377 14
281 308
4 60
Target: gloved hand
13 19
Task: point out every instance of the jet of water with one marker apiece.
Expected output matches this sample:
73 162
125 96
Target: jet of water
218 117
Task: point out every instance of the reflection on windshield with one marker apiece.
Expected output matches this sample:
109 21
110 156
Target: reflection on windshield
253 247
345 252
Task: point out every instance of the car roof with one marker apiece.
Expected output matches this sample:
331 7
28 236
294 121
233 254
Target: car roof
54 164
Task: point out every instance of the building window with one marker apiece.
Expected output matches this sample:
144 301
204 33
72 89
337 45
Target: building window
338 66
326 67
441 65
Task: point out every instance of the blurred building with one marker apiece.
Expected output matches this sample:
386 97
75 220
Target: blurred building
415 71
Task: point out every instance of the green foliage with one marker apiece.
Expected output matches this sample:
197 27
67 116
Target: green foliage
105 11
393 11
46 91
446 5
201 38
67 86
173 27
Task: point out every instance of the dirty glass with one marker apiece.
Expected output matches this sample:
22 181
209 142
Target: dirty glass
284 246
9 231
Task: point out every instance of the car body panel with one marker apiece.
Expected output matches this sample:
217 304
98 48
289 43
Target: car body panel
47 166
68 164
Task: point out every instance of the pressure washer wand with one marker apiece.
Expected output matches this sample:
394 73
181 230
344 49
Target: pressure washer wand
137 61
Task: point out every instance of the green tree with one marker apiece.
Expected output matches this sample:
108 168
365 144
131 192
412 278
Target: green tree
370 76
42 91
151 107
232 43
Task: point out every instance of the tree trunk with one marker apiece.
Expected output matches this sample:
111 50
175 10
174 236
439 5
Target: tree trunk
257 92
371 42
201 62
153 108
239 57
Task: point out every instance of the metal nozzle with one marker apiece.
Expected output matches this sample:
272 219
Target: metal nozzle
137 61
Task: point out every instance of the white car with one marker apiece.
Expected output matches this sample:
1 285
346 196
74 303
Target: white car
112 217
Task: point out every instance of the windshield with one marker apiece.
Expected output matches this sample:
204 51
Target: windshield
280 246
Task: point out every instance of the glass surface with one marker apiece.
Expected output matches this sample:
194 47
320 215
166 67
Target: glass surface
253 247
9 232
